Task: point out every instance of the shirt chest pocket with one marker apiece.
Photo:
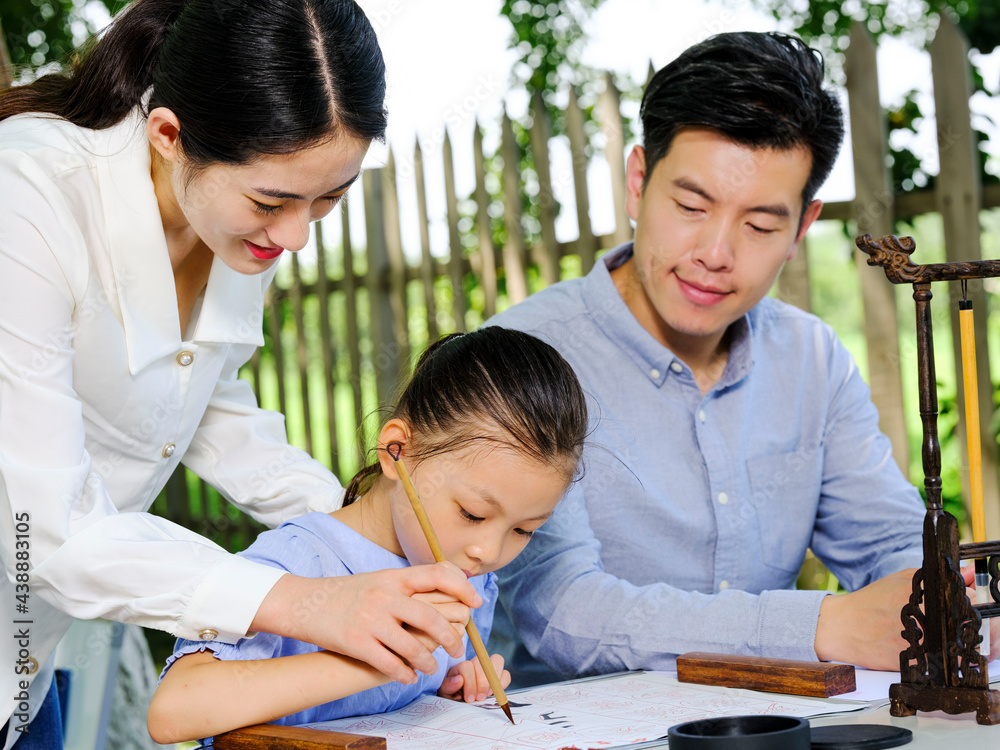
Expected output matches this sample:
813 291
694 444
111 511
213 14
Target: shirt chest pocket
785 491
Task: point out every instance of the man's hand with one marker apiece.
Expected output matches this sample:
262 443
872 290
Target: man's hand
375 617
467 681
969 574
864 627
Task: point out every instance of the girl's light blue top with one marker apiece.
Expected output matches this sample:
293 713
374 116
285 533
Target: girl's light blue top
317 546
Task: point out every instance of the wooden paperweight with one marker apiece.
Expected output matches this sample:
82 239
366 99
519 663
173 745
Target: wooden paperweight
812 678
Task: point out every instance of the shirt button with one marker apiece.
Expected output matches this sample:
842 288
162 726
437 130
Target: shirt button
208 634
31 665
654 374
676 366
723 498
701 415
185 358
723 585
168 450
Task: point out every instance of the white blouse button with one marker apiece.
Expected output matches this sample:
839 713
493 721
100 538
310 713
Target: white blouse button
723 498
723 585
654 374
208 634
168 450
185 358
676 366
701 415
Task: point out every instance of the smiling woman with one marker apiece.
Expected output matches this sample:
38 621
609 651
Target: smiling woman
145 196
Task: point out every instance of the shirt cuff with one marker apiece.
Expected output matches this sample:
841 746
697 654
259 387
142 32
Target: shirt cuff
786 627
224 605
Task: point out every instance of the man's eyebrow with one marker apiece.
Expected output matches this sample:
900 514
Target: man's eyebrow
777 209
282 195
692 187
774 209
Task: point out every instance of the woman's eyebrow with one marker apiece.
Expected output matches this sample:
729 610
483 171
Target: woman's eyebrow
282 195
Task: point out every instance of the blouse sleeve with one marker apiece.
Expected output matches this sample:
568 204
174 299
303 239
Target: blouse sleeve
87 558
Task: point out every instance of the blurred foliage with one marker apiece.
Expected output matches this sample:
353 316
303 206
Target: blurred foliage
38 32
829 21
826 24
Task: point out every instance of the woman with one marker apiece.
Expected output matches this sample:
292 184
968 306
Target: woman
145 199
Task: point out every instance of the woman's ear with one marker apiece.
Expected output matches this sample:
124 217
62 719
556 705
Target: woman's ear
163 130
396 432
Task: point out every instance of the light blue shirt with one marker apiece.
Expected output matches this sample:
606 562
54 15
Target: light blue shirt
692 519
317 546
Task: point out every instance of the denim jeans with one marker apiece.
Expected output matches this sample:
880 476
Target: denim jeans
45 732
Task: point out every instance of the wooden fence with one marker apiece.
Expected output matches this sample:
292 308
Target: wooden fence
341 336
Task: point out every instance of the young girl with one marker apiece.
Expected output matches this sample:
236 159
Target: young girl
490 428
146 195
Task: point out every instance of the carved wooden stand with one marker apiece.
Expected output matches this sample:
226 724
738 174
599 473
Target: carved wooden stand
942 669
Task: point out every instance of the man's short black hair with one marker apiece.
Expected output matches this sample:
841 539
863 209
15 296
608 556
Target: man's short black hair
761 90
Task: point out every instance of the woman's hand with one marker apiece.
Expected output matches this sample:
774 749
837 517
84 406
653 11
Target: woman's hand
467 681
375 617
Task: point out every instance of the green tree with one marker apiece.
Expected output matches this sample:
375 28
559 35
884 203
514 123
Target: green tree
826 24
38 32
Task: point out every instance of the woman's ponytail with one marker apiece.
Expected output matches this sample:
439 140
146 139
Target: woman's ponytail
109 79
244 77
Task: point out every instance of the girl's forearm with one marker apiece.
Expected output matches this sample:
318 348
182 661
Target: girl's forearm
201 696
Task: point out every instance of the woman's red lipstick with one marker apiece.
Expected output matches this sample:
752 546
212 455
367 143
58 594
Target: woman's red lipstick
264 253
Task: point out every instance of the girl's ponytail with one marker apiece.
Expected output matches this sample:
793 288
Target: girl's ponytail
108 80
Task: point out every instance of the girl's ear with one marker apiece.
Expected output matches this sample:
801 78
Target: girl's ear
395 431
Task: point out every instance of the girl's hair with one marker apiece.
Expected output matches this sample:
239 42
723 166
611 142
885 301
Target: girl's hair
244 77
495 385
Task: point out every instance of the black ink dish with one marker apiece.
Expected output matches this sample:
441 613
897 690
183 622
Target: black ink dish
741 733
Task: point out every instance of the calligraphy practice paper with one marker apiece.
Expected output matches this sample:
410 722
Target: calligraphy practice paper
595 713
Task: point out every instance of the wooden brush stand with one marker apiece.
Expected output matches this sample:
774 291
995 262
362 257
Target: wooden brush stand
941 670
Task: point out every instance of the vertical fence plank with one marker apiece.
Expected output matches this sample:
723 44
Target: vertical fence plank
397 271
610 111
958 199
513 249
255 373
301 349
487 255
873 210
353 332
547 254
326 345
275 319
586 243
793 282
6 68
456 257
385 350
427 264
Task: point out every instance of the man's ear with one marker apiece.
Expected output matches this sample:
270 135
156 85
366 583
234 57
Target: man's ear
809 215
396 433
635 178
163 130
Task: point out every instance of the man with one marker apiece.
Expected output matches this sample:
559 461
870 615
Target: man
734 431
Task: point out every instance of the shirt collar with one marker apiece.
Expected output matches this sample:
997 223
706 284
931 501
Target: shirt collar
610 313
231 311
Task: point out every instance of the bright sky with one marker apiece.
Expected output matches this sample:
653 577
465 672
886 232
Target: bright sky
448 62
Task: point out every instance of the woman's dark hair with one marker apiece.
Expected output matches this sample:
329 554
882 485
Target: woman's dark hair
493 384
762 90
244 77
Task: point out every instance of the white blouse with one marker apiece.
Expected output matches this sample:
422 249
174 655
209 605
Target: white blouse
101 397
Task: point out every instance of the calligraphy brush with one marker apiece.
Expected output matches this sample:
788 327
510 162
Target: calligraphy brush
432 540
